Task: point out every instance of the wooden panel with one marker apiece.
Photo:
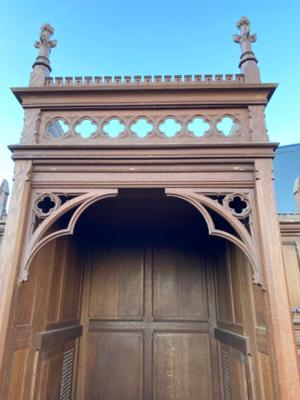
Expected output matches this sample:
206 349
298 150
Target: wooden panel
259 303
223 288
145 308
180 291
292 270
26 293
231 326
267 378
181 366
116 366
262 340
237 261
54 373
57 279
71 284
239 387
22 336
117 283
18 368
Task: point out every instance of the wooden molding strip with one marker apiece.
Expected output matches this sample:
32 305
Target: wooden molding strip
57 336
238 342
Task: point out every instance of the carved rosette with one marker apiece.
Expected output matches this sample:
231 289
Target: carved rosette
46 204
237 204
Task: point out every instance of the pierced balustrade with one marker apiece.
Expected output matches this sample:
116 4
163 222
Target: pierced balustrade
151 127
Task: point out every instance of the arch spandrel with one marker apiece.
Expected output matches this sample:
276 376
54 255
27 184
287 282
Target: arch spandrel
40 237
202 203
244 240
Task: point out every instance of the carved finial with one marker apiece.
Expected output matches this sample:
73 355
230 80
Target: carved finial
44 44
41 66
248 63
4 193
297 195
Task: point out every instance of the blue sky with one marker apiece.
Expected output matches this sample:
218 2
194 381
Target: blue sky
157 37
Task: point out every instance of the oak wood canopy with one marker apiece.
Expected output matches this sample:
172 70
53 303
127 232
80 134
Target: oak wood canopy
145 263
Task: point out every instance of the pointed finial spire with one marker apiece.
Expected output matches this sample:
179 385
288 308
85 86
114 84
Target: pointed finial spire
41 66
296 192
4 193
248 63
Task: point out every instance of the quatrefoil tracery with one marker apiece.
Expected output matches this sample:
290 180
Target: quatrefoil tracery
238 204
46 204
141 127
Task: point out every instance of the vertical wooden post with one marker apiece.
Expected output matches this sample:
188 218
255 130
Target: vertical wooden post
12 246
280 324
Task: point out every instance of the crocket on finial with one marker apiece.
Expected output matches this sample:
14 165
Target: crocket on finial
248 63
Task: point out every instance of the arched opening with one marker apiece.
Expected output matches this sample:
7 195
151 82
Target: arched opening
141 303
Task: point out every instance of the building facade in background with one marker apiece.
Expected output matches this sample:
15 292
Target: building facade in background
286 170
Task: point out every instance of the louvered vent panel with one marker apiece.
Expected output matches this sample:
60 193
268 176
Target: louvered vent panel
226 375
67 375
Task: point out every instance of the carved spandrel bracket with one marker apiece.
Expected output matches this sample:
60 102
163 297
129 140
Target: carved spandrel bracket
224 222
48 213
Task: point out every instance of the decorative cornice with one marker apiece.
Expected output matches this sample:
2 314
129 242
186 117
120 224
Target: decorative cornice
139 96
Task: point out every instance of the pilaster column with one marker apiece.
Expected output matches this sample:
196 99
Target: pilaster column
285 357
12 245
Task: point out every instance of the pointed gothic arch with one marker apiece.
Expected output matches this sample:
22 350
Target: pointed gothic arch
201 202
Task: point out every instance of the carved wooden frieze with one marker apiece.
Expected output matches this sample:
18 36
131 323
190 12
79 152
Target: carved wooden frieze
192 126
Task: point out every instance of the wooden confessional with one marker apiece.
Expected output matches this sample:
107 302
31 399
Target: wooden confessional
142 257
